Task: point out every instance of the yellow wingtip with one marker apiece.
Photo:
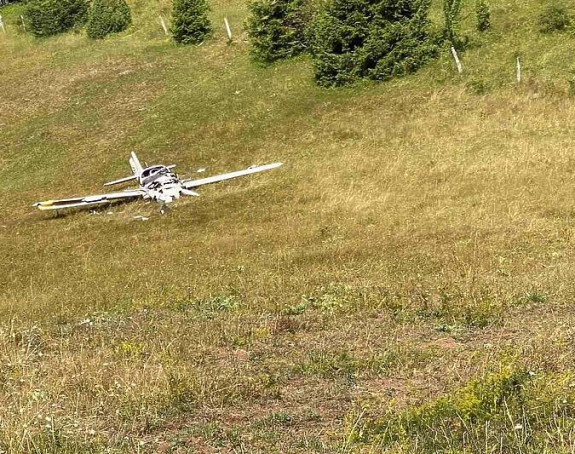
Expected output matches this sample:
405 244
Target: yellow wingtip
45 205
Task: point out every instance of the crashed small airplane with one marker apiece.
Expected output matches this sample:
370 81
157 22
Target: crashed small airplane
157 183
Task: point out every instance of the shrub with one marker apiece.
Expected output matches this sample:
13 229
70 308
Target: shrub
478 86
513 410
553 18
483 15
107 16
50 17
190 24
457 414
378 40
452 17
276 28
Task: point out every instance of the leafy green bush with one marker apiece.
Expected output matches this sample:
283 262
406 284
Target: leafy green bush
553 18
513 410
452 17
483 15
478 86
108 16
276 28
373 39
190 23
50 17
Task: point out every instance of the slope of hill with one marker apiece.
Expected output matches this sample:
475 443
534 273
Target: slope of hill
403 284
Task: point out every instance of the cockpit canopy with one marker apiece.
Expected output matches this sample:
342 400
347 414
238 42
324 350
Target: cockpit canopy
151 174
154 170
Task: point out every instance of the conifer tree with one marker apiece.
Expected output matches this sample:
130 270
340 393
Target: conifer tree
276 28
107 16
190 22
373 39
50 17
452 17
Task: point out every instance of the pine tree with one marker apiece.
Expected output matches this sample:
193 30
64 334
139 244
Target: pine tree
190 22
50 17
373 39
108 16
276 28
452 17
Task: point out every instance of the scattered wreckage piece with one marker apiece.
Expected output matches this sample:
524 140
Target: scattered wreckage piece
156 183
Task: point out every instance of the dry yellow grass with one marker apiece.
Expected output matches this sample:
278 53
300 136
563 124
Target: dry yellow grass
419 236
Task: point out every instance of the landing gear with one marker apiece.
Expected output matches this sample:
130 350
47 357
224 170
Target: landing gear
164 209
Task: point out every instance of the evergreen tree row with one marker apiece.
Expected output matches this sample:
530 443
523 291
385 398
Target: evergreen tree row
348 40
355 39
190 24
102 17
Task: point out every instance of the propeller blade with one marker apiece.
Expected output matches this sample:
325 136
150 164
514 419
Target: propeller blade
188 192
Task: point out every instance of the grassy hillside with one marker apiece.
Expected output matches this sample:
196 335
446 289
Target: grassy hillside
403 284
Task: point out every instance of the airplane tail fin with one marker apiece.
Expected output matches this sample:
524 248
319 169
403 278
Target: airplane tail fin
137 170
135 164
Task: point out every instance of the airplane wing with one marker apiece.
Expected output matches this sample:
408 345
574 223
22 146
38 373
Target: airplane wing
89 200
188 184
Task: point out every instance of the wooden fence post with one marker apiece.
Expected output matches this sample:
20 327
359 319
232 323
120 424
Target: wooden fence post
456 58
228 29
163 24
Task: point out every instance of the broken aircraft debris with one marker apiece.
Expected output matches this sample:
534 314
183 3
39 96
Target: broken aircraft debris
157 183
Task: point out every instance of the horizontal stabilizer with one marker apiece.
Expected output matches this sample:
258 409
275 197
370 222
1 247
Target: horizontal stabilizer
121 180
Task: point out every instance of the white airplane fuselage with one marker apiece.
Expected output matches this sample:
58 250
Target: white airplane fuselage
162 185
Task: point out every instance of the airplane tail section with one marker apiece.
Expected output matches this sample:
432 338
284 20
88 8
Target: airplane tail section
135 164
137 169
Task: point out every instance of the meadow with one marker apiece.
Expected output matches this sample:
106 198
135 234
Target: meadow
403 284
